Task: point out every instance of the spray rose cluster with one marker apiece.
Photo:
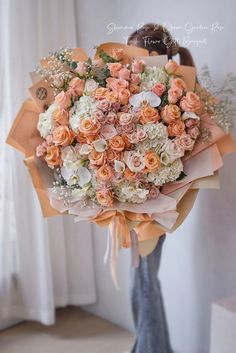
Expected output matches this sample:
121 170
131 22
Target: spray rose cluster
122 137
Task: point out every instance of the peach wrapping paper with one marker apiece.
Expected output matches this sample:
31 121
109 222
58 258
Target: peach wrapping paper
201 165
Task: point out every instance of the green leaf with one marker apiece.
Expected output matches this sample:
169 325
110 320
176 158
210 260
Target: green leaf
181 176
100 75
73 65
106 57
164 100
89 61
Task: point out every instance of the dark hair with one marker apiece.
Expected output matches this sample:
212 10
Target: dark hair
154 37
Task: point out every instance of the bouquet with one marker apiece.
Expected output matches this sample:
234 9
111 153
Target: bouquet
124 140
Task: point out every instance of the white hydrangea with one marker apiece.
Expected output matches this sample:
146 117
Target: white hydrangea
153 75
156 131
83 108
130 193
157 137
170 152
166 174
45 122
144 146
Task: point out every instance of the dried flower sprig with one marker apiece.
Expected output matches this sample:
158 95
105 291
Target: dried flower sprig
220 102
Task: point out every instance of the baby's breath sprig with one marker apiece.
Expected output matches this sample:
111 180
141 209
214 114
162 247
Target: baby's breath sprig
219 102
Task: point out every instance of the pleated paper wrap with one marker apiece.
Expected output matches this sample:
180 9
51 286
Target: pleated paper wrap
136 226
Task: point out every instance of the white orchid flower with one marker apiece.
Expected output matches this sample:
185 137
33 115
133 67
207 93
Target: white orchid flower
100 145
145 97
80 176
190 115
84 176
119 166
85 149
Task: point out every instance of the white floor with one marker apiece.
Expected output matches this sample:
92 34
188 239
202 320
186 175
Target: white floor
75 331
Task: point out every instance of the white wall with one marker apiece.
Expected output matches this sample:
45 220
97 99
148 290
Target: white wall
199 263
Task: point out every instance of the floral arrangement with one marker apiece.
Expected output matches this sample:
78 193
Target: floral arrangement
122 140
117 132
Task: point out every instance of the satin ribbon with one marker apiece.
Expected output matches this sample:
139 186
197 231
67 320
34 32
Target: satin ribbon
113 246
146 226
120 235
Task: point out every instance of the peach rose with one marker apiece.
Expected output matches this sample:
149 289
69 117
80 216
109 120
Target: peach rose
104 105
149 115
134 160
99 116
61 116
110 81
76 87
63 100
96 158
81 138
117 53
191 102
112 155
53 156
141 134
135 79
124 74
178 82
89 127
100 93
114 69
191 122
126 140
194 132
151 160
119 84
41 150
174 94
125 118
159 89
153 192
104 173
98 62
81 68
62 136
185 142
124 95
170 113
129 175
111 117
176 128
171 66
117 143
124 108
111 97
49 140
91 138
134 89
104 198
128 129
137 66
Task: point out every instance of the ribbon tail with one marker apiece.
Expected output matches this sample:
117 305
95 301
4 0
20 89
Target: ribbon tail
114 245
106 255
134 248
